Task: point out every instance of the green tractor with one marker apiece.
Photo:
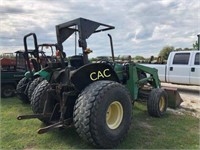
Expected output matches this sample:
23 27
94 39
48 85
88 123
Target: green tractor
95 98
40 67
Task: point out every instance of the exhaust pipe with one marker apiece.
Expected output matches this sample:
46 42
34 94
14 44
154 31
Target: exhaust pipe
112 50
198 41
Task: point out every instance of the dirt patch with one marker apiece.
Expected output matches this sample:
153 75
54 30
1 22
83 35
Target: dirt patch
191 99
145 125
29 148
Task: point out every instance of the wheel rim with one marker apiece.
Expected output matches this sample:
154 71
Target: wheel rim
8 92
114 115
162 104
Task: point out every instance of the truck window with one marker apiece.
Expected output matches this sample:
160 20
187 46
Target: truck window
181 58
197 61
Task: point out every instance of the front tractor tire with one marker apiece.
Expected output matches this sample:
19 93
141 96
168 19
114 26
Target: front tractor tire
157 102
21 88
103 113
7 90
33 86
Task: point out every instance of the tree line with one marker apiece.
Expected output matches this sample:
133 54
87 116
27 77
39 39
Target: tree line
165 51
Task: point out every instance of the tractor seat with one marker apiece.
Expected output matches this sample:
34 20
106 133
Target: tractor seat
76 61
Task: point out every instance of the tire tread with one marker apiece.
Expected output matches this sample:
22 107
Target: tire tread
86 103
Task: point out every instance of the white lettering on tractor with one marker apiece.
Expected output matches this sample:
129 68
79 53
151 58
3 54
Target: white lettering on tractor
97 75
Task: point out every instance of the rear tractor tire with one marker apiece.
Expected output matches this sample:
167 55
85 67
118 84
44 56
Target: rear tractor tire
157 102
33 86
21 88
102 113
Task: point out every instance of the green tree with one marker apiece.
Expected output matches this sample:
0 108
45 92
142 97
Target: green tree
93 59
139 58
165 51
195 45
178 49
187 49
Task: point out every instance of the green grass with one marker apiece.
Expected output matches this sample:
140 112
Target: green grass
170 132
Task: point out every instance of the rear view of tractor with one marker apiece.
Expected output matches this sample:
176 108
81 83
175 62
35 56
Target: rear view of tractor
39 66
95 98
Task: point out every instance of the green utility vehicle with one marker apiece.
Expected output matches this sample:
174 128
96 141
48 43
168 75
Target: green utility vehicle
11 73
95 98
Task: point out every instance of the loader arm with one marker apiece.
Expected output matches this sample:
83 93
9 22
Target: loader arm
153 75
134 82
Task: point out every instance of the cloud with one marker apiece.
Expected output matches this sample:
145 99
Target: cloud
142 27
11 10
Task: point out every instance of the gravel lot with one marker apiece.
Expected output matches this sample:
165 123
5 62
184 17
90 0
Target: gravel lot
191 99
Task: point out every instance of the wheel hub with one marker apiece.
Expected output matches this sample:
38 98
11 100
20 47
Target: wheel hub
162 104
8 92
114 115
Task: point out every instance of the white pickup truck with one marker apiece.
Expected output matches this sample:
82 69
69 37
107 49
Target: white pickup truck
183 67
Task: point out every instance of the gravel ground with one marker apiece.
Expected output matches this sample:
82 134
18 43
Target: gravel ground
191 99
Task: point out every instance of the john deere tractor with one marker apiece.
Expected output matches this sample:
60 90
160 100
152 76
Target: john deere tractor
95 98
40 67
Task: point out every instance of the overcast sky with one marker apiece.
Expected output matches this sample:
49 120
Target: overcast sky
142 27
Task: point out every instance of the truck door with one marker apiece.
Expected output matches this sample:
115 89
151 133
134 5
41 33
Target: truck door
195 69
179 69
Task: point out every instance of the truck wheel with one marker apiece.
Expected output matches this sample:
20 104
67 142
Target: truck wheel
38 99
157 102
7 91
102 113
21 87
33 86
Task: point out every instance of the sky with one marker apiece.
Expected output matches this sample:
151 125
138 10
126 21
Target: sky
142 27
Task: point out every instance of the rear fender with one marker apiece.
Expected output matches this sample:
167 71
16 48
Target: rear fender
28 74
44 74
90 73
